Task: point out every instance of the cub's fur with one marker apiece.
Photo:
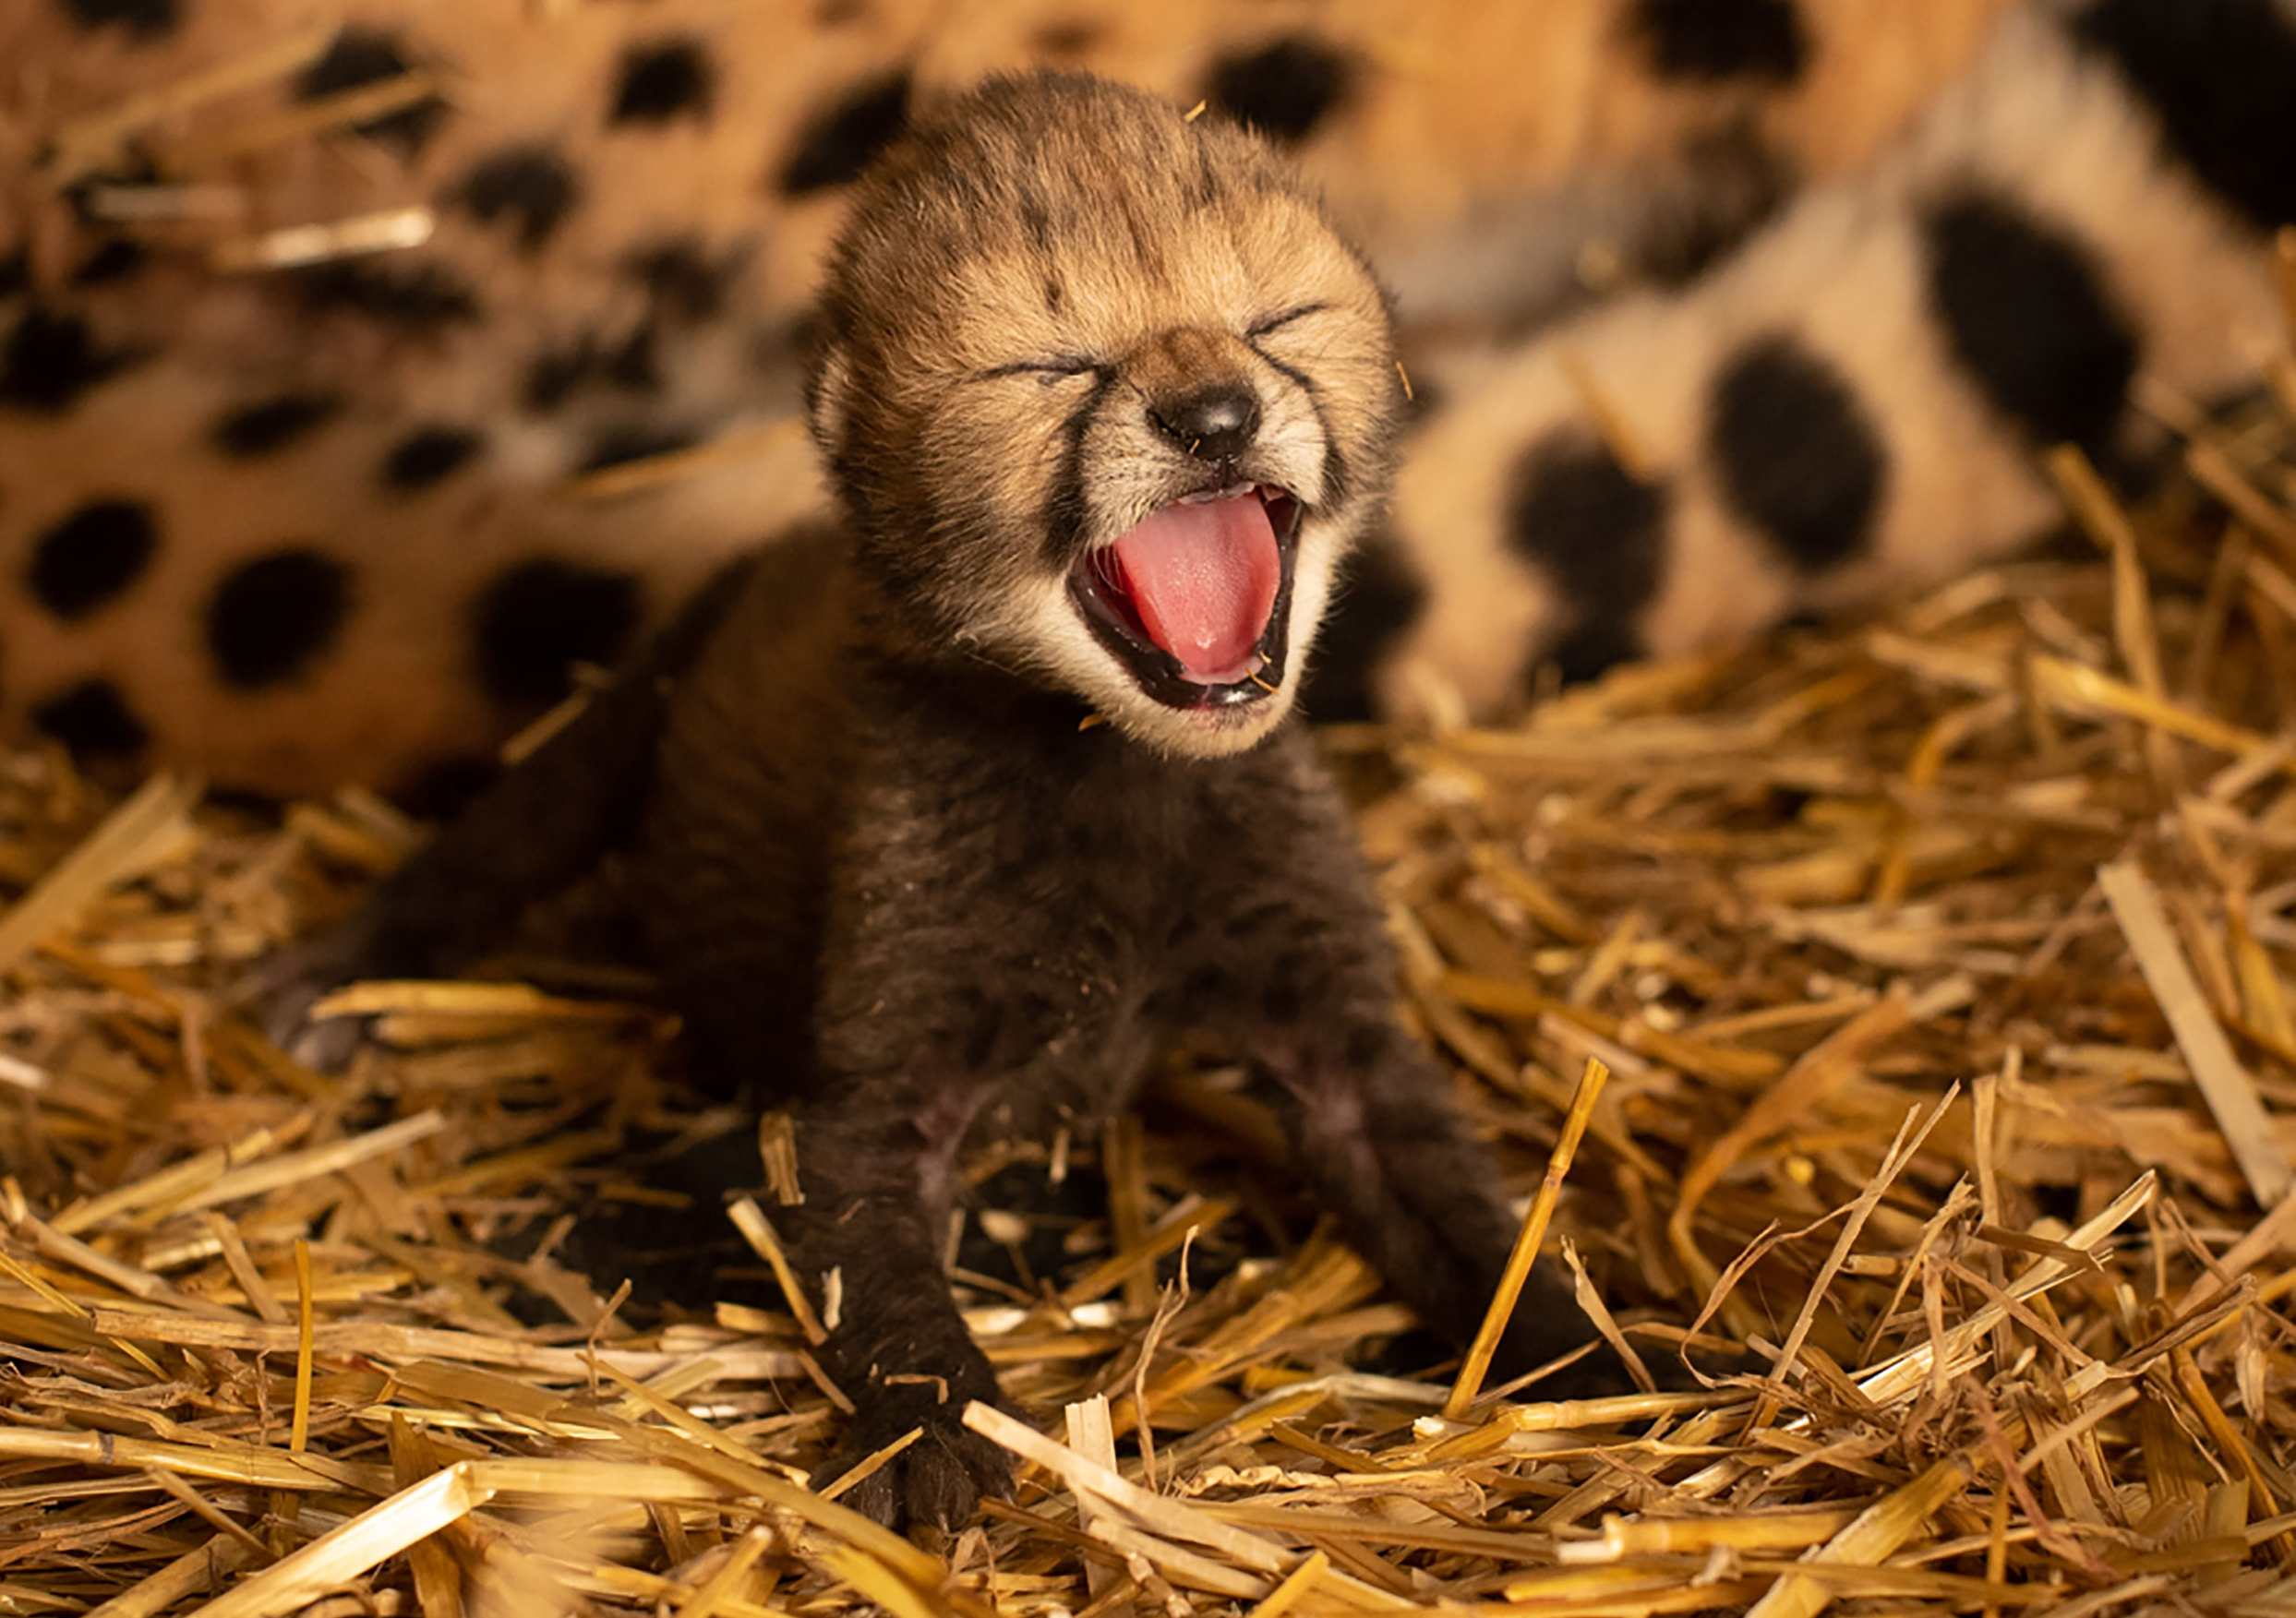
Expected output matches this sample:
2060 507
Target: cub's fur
898 881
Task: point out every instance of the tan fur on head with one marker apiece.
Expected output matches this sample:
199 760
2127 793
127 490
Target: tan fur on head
1017 281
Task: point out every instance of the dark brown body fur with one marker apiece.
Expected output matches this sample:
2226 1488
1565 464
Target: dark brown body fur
896 886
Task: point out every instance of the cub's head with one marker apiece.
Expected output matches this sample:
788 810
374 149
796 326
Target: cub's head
1106 398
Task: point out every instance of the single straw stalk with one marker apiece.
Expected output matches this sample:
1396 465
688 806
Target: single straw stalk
1527 1241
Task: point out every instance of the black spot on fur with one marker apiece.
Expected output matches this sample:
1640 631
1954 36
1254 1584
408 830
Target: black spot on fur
619 445
663 79
1734 181
1598 532
1065 41
534 623
1592 649
680 277
1793 452
115 259
1709 40
16 273
47 360
2030 319
366 55
557 373
91 556
632 364
272 424
144 18
354 57
1378 599
93 720
838 141
529 187
1284 88
412 296
2217 73
271 616
554 374
428 455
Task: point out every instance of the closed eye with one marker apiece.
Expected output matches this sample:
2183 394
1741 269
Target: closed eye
1048 366
1276 322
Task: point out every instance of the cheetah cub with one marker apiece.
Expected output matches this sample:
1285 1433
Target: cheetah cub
950 823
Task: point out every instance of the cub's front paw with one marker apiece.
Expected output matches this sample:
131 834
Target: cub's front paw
940 1479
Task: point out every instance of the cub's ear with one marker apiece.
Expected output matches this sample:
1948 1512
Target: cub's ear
828 398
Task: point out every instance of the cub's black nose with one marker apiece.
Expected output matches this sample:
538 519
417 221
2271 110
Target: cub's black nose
1217 423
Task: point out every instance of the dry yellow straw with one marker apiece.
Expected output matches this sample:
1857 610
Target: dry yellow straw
2224 1085
125 845
869 1466
1296 1583
757 1231
299 1435
1527 1241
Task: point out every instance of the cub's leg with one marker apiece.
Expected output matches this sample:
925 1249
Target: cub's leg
1378 1140
945 996
876 1160
1295 972
935 1000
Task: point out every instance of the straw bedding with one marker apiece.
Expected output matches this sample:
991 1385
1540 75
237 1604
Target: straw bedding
1940 968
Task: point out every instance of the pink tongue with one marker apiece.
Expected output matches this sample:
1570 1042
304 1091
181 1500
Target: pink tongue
1203 579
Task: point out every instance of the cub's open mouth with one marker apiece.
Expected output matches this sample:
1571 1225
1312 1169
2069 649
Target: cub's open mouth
1196 600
